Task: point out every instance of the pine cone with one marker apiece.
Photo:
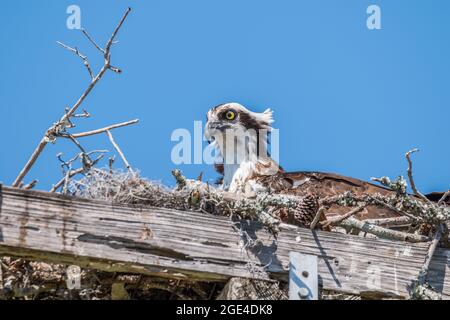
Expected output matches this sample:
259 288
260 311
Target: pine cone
303 214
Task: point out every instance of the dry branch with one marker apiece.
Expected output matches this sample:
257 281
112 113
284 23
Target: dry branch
71 174
103 130
60 126
433 245
390 222
82 56
317 217
410 176
341 218
382 232
31 185
119 151
444 197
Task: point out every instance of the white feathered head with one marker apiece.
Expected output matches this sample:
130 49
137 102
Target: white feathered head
234 116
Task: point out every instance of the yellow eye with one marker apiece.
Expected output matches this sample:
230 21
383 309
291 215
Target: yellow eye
230 115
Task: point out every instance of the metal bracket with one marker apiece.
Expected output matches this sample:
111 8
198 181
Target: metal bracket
303 277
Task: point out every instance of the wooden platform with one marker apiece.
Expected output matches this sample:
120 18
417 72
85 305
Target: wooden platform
169 243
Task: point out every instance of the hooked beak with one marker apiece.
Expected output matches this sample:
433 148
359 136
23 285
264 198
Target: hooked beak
217 125
215 128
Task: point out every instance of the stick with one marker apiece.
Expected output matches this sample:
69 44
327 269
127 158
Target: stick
393 208
410 176
78 53
116 146
110 164
431 249
31 185
390 222
111 39
382 232
339 219
61 182
102 130
52 130
92 41
316 219
444 197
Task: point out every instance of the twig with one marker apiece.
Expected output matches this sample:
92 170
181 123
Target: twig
341 218
410 176
393 208
85 114
391 222
317 217
92 41
75 141
61 123
31 185
444 197
102 130
82 56
115 69
66 180
113 36
61 182
181 180
382 232
110 163
116 146
431 249
86 162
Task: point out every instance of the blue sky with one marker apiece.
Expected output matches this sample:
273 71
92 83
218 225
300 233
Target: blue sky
346 99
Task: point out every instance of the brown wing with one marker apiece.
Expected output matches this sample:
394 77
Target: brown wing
323 185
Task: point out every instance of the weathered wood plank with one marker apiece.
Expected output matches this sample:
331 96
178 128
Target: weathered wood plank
170 243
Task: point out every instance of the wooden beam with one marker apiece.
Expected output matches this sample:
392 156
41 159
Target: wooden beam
169 243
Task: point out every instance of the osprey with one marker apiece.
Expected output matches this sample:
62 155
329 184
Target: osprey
241 137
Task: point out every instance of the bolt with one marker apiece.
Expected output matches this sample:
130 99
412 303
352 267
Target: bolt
305 274
303 293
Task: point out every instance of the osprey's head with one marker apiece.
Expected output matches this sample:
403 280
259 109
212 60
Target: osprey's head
235 118
241 137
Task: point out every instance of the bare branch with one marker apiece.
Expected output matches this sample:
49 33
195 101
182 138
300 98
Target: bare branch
75 141
61 182
431 249
393 208
115 69
382 232
53 130
113 36
78 53
87 165
85 114
111 163
341 218
31 185
391 222
444 197
410 176
102 130
92 41
317 217
119 151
